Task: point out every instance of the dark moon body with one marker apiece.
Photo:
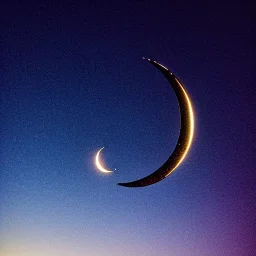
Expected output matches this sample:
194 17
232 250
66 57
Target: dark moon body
185 136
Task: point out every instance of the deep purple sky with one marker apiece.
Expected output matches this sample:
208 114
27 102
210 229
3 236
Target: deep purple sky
74 81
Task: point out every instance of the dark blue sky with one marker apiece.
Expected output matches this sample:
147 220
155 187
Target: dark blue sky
74 81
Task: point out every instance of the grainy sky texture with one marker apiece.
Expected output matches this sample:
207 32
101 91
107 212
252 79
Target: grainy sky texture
73 80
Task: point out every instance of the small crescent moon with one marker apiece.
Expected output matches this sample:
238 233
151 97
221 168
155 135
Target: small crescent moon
98 164
185 137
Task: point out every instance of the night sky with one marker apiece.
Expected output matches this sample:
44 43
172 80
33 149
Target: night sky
73 80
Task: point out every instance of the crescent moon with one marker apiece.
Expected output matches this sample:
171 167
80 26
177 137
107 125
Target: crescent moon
98 164
185 136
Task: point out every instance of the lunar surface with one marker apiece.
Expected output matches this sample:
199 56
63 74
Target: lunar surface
98 163
185 137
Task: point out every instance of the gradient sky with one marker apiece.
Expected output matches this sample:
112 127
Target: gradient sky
74 81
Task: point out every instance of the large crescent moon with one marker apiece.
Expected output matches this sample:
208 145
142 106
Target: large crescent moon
99 165
185 137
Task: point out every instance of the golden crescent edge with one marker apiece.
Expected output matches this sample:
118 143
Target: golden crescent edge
185 137
98 164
